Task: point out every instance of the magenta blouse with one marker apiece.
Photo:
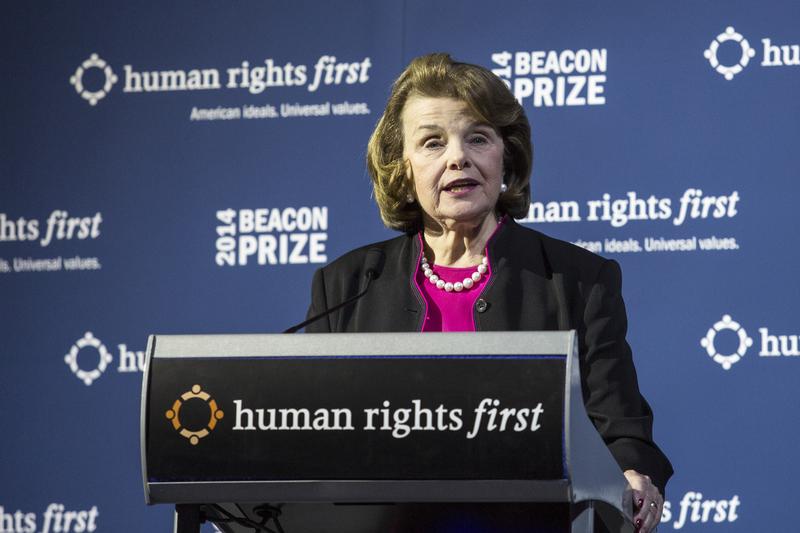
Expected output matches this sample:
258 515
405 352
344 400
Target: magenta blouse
451 311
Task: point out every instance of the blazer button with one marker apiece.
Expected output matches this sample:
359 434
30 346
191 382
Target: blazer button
481 305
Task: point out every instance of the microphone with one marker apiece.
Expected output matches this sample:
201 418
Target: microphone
373 266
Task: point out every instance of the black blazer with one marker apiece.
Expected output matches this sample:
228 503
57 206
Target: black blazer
537 283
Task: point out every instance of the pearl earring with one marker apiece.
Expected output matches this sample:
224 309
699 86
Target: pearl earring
503 187
410 198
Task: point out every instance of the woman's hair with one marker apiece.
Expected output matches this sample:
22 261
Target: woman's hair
437 75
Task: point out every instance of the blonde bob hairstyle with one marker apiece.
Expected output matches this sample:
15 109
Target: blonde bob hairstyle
437 75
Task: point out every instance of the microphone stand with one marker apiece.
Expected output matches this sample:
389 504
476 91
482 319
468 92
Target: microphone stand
371 274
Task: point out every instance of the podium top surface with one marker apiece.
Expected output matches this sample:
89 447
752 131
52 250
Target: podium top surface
363 344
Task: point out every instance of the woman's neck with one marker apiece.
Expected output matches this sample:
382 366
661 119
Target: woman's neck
458 244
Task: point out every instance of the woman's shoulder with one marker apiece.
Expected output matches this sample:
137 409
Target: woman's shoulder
561 256
554 248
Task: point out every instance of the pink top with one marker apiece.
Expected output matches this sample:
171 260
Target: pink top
451 311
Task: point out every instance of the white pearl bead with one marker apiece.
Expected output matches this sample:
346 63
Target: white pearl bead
458 286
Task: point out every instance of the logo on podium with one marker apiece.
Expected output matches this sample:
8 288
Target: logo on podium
215 414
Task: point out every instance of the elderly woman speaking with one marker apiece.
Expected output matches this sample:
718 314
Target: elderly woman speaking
450 160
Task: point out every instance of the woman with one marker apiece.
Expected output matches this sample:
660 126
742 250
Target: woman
450 161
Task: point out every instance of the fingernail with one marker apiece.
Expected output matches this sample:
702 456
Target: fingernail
639 502
638 523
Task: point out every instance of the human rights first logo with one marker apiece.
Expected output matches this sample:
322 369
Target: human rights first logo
109 79
772 55
91 349
215 414
771 345
94 78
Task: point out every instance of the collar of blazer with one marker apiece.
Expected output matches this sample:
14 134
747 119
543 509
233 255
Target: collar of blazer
519 267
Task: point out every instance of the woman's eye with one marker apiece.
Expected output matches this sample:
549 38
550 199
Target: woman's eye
479 139
432 143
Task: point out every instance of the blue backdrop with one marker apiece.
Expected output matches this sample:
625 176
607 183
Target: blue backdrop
184 168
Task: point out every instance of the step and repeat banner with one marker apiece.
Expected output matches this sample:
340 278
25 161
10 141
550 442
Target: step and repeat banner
184 168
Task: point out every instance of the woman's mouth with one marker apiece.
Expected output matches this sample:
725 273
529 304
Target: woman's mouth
459 186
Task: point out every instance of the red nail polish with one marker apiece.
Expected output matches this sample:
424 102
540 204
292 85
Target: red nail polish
638 523
639 502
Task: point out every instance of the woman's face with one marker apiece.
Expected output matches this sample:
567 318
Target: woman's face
455 161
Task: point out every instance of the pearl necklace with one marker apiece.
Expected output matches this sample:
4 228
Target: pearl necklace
458 286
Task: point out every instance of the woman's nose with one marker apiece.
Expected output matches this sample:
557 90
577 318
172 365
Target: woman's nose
457 157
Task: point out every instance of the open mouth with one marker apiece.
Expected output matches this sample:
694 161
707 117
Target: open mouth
461 185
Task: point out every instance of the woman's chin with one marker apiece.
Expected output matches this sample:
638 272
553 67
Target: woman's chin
472 216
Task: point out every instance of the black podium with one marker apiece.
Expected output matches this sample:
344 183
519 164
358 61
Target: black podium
373 432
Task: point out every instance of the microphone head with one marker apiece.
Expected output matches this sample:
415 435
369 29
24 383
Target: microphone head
373 264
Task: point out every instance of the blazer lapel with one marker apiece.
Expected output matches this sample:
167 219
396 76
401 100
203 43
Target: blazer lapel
523 294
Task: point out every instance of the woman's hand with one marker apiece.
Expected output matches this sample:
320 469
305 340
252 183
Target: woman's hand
647 501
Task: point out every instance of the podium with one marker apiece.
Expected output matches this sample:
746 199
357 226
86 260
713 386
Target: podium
358 429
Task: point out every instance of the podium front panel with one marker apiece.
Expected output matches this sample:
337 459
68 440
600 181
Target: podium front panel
471 417
328 411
